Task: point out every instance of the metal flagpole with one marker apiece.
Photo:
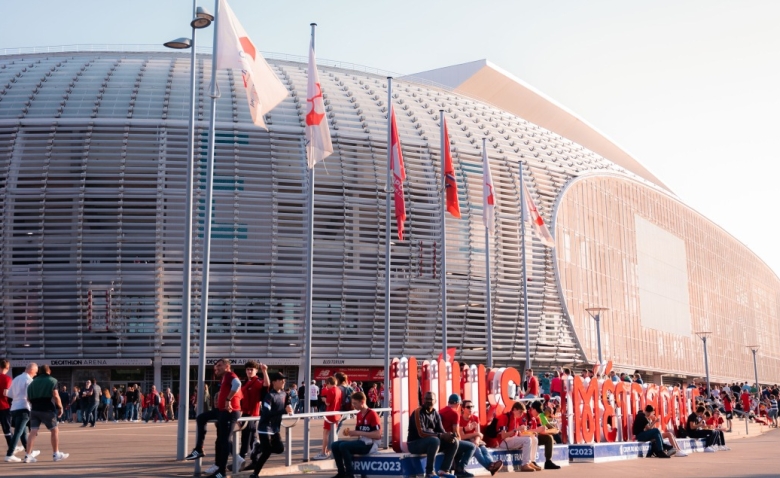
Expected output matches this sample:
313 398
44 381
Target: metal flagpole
444 144
204 297
389 193
525 272
186 294
308 305
488 295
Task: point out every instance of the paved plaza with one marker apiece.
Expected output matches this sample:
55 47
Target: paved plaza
140 449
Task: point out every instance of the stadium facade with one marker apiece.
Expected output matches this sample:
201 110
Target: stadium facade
93 151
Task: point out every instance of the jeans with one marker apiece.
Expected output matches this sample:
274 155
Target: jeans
466 450
154 413
654 437
90 414
5 422
483 456
248 436
429 446
202 420
343 451
131 413
225 424
19 419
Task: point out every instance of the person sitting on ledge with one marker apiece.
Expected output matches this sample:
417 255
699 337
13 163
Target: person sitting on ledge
715 423
544 433
368 432
427 436
696 428
644 430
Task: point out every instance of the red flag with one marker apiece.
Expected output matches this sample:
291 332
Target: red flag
317 131
399 175
449 176
450 354
536 219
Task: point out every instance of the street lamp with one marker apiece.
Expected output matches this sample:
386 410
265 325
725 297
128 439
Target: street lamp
754 349
595 313
703 336
201 19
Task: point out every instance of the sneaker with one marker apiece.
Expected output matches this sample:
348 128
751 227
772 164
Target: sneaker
495 467
463 474
322 456
194 455
216 475
59 456
212 469
549 465
709 449
18 449
671 452
35 453
30 459
246 464
13 459
725 448
239 460
681 454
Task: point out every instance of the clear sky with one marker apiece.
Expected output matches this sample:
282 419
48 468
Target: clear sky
690 88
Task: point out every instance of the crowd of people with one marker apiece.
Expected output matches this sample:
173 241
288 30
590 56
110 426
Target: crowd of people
89 404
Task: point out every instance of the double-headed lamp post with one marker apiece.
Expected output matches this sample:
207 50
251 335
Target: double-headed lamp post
595 313
704 336
754 349
200 19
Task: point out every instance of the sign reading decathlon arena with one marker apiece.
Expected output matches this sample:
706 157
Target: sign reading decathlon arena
83 362
591 412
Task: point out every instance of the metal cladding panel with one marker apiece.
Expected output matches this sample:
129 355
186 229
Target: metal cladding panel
92 174
602 260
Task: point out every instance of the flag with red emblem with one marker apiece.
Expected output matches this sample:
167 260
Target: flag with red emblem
236 51
319 145
488 196
537 221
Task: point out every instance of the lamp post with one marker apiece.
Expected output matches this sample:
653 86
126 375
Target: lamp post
704 336
595 314
754 349
201 19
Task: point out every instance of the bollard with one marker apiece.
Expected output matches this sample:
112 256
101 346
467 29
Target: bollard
288 446
747 421
333 436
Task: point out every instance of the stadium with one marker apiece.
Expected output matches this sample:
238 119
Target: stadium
93 154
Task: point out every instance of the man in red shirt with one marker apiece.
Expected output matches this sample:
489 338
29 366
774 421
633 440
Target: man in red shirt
450 420
332 398
745 399
5 406
531 384
252 394
226 413
556 385
367 431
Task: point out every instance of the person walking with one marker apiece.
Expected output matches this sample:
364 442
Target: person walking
20 412
153 401
91 397
46 406
5 405
169 402
75 405
116 402
275 404
105 405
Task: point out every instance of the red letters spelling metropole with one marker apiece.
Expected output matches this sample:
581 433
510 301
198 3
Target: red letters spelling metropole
594 411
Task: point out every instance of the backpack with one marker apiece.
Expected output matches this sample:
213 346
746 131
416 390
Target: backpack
492 429
346 398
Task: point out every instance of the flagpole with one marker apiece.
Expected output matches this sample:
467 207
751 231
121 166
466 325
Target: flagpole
525 272
186 295
488 295
204 294
389 190
309 288
444 144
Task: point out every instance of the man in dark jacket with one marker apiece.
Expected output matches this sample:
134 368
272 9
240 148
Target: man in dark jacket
427 436
275 405
644 430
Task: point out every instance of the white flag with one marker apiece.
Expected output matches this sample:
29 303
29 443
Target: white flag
536 219
317 130
488 195
236 51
